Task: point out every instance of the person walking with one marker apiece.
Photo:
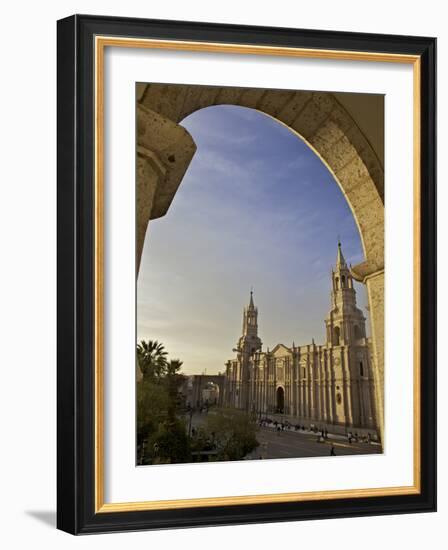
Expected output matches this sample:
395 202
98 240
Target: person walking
332 451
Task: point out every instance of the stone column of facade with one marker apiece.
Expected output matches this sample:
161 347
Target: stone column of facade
264 389
329 401
298 388
322 396
360 398
306 392
350 385
290 382
345 389
330 407
309 410
326 385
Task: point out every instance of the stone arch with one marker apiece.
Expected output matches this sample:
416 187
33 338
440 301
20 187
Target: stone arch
199 383
280 400
164 150
317 118
210 393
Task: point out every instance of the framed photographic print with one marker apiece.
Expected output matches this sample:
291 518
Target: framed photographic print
246 274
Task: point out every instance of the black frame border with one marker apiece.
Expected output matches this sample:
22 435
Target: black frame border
76 262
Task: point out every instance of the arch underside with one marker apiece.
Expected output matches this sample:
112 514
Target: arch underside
321 121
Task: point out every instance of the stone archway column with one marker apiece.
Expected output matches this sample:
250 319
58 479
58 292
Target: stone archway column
150 174
375 290
164 152
373 278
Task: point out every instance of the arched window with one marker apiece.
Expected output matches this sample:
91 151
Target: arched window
361 369
336 336
336 283
343 281
357 332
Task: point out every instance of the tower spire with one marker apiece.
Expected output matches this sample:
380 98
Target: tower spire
340 260
251 301
345 322
249 341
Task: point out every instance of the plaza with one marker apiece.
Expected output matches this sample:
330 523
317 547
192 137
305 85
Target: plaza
302 444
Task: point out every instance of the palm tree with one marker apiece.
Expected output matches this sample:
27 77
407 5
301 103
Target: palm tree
173 380
151 356
173 367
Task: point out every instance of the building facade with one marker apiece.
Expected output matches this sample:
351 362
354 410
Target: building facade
320 385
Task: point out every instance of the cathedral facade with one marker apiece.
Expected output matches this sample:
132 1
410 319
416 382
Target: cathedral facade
321 385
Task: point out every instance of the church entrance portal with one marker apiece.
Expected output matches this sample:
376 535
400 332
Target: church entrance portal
280 400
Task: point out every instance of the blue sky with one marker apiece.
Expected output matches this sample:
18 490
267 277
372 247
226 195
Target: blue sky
256 208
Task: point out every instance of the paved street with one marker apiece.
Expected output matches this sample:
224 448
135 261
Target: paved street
296 444
292 444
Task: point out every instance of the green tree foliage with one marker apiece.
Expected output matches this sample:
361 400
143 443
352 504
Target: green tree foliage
173 381
162 436
231 432
152 406
161 432
152 359
171 443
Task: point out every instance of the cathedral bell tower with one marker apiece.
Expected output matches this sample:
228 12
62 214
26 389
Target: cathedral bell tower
248 344
345 322
348 351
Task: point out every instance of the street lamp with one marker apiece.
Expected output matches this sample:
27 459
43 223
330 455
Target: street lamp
189 424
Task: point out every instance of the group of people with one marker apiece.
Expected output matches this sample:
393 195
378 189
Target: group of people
280 426
267 422
355 437
322 433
